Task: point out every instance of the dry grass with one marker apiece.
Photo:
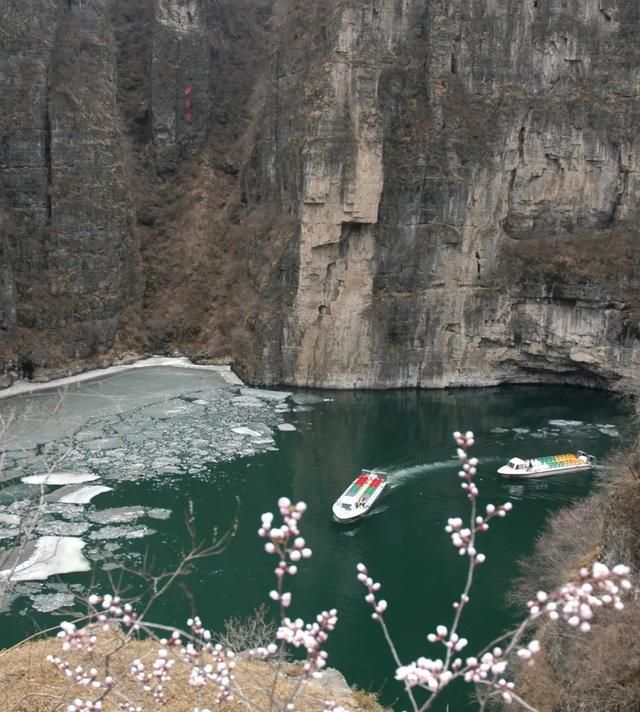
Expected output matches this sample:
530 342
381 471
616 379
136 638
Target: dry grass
28 683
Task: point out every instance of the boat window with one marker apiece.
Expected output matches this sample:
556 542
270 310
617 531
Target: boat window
346 506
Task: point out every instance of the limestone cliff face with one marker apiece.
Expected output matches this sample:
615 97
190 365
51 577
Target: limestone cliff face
467 194
329 192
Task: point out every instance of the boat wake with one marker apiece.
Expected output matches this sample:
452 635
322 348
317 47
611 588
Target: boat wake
404 474
397 477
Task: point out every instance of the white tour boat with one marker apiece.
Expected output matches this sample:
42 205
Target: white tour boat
548 465
359 496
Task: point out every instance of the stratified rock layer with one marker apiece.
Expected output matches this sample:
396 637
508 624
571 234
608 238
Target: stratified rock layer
329 193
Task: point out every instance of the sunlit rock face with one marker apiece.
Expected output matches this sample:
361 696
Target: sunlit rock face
466 193
329 193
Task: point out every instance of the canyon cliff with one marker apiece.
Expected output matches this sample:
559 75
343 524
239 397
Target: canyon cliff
334 193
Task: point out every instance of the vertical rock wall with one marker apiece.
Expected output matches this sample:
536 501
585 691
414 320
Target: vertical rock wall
329 192
467 193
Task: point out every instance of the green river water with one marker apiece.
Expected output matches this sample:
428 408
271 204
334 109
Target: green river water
403 542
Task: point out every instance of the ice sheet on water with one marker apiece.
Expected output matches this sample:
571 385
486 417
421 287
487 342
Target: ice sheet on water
286 427
51 555
84 494
59 478
176 440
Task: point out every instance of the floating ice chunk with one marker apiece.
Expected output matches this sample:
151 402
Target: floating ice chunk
83 495
51 555
199 401
248 402
59 478
286 427
302 409
566 423
243 430
265 395
47 602
120 532
521 431
282 408
499 430
158 513
58 528
306 398
609 430
117 515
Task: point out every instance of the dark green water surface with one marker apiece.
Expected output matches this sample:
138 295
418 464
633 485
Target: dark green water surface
403 542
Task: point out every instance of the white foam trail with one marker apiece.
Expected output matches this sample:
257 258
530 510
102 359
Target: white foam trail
396 477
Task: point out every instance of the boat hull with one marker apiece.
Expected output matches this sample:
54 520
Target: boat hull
547 466
359 497
506 472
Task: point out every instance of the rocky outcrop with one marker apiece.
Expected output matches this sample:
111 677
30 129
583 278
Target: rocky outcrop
328 193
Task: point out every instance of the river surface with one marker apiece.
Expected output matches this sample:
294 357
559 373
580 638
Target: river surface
177 445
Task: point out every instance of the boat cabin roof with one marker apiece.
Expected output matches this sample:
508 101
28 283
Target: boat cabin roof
516 463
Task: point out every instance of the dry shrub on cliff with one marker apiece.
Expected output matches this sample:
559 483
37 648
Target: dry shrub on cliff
28 683
598 673
570 541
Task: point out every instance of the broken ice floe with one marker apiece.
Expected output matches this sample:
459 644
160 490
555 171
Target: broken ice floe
58 528
49 556
571 424
242 430
125 515
76 494
307 398
265 395
48 602
119 532
248 402
59 478
286 427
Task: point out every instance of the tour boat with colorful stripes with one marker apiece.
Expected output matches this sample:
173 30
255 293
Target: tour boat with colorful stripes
360 495
548 465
